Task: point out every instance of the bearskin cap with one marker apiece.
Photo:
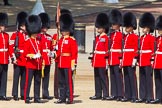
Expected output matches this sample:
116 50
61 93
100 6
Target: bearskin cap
3 19
66 23
129 20
45 20
115 17
33 24
147 20
21 18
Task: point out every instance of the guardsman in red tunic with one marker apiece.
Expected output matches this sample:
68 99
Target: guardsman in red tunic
4 56
46 43
117 91
17 42
147 23
130 53
99 58
157 65
55 39
33 53
66 54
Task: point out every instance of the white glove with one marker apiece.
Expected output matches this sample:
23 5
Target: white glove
38 55
56 48
134 62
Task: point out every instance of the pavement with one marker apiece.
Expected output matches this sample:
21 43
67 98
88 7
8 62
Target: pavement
84 11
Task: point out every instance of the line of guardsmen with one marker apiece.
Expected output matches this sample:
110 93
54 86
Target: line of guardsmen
122 53
32 50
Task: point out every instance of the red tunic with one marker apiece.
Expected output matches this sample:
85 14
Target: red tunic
4 48
116 46
32 46
146 49
100 52
130 49
21 60
158 54
67 51
46 45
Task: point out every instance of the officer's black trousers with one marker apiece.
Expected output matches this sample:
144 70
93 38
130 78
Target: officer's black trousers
30 73
19 72
56 91
145 82
45 81
101 82
3 79
130 82
116 79
158 83
65 84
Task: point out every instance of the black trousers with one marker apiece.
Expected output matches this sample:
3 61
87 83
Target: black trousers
101 82
3 79
56 91
145 82
116 79
5 1
30 73
130 82
65 84
19 73
158 83
45 81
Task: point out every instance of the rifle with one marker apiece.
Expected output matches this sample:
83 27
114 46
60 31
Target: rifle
16 49
94 42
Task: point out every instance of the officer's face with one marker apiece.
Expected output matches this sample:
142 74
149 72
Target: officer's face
160 32
44 30
23 28
115 27
100 30
65 33
129 29
145 30
2 28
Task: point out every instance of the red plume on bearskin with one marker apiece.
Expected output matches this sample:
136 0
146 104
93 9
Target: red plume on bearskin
147 20
129 20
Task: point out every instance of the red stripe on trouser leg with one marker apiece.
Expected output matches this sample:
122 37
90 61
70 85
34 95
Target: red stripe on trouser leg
70 84
26 84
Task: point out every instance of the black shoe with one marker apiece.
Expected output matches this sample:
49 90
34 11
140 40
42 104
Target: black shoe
156 101
148 101
133 100
48 97
27 101
125 100
59 101
111 98
8 4
22 98
119 98
15 98
95 98
4 98
140 101
38 101
69 102
105 98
